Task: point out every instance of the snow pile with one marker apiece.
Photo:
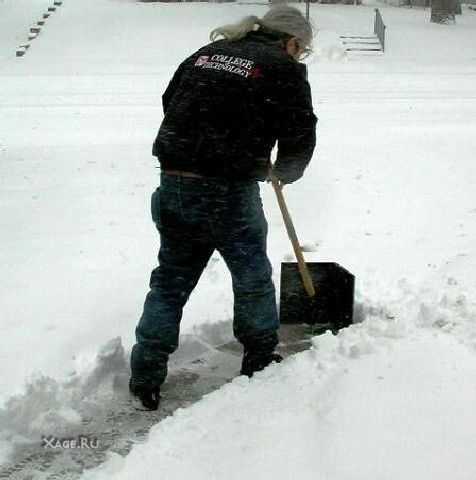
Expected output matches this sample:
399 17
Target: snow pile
448 308
382 396
446 305
53 407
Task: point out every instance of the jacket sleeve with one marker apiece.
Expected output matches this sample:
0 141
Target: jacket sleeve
295 124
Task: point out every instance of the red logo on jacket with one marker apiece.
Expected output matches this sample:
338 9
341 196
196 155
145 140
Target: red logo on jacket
202 60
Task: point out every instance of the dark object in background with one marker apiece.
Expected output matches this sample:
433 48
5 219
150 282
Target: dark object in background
332 306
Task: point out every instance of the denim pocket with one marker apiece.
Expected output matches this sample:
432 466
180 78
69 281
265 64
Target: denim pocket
155 207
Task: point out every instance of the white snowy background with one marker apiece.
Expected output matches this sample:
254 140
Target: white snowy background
389 195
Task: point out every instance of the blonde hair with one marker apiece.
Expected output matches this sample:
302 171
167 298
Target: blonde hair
288 21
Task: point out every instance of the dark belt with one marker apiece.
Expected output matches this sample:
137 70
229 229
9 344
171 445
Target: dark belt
182 173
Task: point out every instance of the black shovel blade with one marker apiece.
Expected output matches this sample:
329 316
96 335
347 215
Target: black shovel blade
330 309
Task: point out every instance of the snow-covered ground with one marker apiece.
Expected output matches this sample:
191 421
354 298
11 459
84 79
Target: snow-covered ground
389 195
17 16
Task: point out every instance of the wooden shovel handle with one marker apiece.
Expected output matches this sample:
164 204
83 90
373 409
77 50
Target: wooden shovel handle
303 270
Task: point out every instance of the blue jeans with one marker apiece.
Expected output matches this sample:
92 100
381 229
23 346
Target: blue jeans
194 217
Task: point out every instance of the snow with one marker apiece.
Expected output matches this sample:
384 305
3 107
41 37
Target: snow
15 21
389 195
314 417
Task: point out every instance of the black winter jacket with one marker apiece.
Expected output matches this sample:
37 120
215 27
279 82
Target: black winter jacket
228 104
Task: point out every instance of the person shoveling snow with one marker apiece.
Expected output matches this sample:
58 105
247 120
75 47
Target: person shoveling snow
225 108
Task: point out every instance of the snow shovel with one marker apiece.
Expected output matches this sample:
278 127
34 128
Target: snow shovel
318 293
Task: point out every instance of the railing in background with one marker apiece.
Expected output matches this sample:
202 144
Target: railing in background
379 28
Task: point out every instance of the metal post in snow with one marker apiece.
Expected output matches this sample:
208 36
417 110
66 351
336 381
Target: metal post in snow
307 9
379 28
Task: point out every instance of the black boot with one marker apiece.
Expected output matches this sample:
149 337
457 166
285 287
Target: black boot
253 362
149 396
